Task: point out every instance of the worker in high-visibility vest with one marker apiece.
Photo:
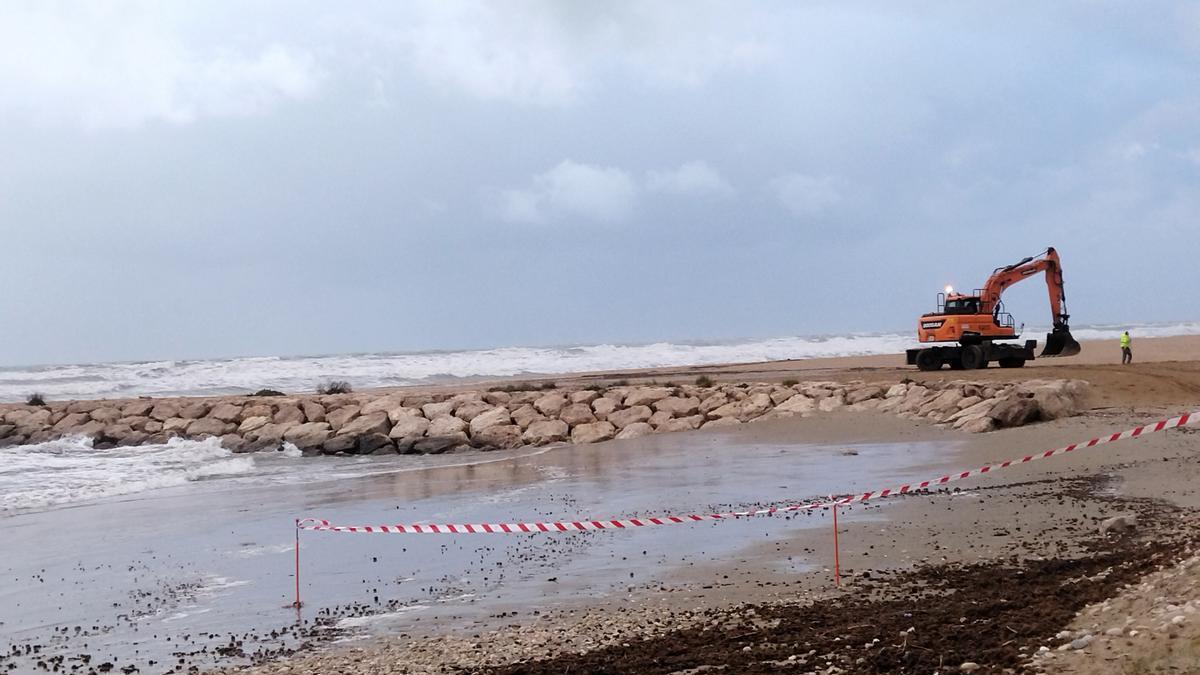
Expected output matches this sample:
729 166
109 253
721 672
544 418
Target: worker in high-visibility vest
1126 351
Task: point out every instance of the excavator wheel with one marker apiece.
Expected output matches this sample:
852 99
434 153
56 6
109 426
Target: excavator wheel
1012 362
973 358
927 359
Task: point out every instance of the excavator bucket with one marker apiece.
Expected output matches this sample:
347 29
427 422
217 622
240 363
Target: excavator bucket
1060 342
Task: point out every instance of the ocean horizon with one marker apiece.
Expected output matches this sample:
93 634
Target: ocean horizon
301 374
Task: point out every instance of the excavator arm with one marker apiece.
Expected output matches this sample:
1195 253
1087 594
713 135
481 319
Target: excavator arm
1059 342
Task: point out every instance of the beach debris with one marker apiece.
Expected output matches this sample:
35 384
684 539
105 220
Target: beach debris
1119 524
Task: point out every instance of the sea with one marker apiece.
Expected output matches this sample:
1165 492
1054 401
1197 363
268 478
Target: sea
291 374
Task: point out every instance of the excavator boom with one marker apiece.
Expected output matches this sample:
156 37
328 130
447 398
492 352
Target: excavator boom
1059 341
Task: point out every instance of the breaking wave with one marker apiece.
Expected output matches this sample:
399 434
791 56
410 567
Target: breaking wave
302 373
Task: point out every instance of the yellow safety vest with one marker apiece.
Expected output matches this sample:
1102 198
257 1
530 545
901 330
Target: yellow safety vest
1124 340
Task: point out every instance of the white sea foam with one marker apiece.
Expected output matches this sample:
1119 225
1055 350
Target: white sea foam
243 375
70 470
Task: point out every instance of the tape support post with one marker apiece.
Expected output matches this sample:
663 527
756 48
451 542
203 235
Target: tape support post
318 525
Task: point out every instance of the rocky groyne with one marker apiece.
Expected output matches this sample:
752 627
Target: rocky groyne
390 422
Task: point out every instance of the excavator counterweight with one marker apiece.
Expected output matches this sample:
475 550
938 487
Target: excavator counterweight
978 321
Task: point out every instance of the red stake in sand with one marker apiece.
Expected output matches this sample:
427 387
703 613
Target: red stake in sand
297 603
837 566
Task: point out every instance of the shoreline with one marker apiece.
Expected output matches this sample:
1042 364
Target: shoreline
1035 570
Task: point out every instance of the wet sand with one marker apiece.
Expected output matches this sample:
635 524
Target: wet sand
172 576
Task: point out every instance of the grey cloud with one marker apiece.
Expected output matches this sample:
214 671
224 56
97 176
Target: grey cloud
101 68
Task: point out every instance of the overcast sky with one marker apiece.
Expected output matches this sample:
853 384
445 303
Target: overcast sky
186 180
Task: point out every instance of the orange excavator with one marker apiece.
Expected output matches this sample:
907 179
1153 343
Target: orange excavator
975 322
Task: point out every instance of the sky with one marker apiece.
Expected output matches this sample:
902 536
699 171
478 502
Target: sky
196 180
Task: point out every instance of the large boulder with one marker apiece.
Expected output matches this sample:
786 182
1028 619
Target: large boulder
526 415
175 425
977 409
69 423
683 423
251 423
585 396
408 430
754 405
118 433
914 399
1056 398
1015 411
645 395
418 400
497 397
208 427
164 410
383 404
831 402
730 409
546 431
137 409
501 437
713 402
258 410
722 422
469 410
340 444
781 394
436 410
84 406
397 414
340 417
635 430
435 445
623 418
864 393
577 413
550 405
978 425
945 402
106 415
289 413
446 426
313 411
194 410
309 435
374 444
603 407
92 429
659 418
375 423
493 417
226 412
676 406
594 432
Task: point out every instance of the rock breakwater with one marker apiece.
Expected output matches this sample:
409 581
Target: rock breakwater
391 422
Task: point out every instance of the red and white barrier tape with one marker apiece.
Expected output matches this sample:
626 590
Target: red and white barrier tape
621 524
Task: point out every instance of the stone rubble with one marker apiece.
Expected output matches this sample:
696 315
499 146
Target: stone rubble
434 423
1150 626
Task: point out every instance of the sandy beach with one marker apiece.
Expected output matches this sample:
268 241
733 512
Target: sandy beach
201 575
